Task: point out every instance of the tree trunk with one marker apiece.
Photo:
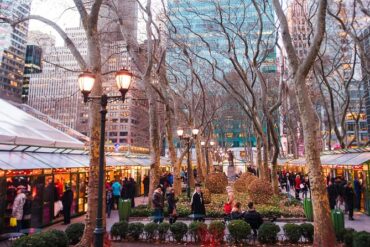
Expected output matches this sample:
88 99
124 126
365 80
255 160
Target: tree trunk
94 60
200 163
261 169
324 232
172 150
155 151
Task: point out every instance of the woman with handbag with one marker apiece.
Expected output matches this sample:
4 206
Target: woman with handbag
171 200
17 210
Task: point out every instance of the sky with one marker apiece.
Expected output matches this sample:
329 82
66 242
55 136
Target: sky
55 10
63 13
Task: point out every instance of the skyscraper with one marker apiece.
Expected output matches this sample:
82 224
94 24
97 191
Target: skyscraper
195 23
13 48
55 91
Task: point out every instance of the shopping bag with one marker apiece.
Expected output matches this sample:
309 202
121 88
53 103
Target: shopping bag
58 207
13 222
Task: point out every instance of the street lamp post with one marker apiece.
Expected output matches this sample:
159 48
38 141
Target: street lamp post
188 140
206 147
86 82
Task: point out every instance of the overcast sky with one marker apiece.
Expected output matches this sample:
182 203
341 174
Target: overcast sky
55 10
63 13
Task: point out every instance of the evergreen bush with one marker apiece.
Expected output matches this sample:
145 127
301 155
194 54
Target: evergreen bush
74 232
162 230
179 229
239 230
217 229
151 230
197 230
119 229
135 230
267 233
293 232
307 231
361 239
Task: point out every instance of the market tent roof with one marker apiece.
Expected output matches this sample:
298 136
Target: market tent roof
58 160
338 159
20 128
21 161
348 159
282 161
299 161
165 161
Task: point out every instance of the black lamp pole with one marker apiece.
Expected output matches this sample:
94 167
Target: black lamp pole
86 81
99 230
207 158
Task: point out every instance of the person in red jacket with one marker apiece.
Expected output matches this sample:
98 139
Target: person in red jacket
297 186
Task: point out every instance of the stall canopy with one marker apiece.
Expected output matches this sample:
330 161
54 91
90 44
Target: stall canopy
349 158
16 160
19 128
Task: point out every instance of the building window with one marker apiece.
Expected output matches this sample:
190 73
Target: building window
123 133
113 134
122 140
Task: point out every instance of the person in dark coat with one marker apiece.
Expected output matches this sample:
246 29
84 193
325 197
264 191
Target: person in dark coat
132 191
146 185
197 204
157 201
357 187
109 200
236 212
171 200
349 198
253 218
67 200
332 195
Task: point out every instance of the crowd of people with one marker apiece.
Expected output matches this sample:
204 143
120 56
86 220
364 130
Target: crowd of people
161 194
22 206
233 211
342 192
297 182
125 189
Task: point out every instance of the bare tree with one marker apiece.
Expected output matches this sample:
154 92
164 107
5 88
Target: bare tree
324 233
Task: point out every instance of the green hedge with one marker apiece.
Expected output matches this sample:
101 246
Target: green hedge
52 238
239 230
267 233
293 232
74 232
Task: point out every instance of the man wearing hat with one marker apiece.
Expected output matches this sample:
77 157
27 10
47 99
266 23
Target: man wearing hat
17 210
67 200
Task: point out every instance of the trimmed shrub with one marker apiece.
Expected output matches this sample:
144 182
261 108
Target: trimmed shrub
346 236
74 232
35 240
60 237
217 229
240 185
246 176
135 230
239 230
260 191
162 230
119 229
307 231
197 230
179 229
206 196
361 239
151 230
293 232
216 183
267 233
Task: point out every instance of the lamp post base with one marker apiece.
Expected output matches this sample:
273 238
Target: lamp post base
99 237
